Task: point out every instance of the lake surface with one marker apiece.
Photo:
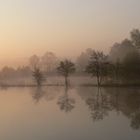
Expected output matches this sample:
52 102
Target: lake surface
74 113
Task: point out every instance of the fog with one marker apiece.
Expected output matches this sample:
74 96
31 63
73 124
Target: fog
63 27
69 66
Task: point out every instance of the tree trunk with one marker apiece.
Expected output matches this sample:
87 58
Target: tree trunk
98 81
98 78
38 83
66 81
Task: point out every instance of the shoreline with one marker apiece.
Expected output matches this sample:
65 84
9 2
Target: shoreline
80 85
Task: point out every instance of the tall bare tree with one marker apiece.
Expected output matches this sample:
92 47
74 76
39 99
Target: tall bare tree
98 66
38 76
49 62
66 68
36 70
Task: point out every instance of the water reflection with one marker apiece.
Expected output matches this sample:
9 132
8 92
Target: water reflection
99 105
65 102
38 94
101 101
127 102
49 93
41 113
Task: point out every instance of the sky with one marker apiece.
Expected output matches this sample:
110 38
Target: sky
65 27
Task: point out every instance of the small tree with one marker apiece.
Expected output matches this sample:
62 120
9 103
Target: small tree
38 76
98 66
66 68
36 70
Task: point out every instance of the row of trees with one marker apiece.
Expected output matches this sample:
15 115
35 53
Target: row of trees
47 63
121 65
14 73
65 68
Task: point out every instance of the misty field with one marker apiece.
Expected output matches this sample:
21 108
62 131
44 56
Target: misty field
50 81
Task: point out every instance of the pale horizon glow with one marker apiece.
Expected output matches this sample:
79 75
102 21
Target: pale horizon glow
65 27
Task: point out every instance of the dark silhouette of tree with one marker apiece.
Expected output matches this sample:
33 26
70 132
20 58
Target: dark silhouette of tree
36 70
97 66
38 76
135 37
127 68
65 102
120 50
115 72
131 67
66 68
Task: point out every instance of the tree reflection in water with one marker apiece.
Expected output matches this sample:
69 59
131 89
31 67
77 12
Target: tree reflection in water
65 102
47 93
124 101
128 103
100 101
98 105
38 94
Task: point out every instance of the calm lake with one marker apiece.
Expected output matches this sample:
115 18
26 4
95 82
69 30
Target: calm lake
74 113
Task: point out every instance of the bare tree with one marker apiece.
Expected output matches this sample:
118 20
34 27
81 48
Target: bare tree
98 66
66 68
34 62
38 76
135 37
36 70
49 62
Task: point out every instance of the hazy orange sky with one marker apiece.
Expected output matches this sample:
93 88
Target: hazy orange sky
65 27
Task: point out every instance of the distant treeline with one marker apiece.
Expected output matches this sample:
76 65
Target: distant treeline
13 73
120 66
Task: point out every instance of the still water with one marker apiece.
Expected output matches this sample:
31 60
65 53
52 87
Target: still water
74 113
